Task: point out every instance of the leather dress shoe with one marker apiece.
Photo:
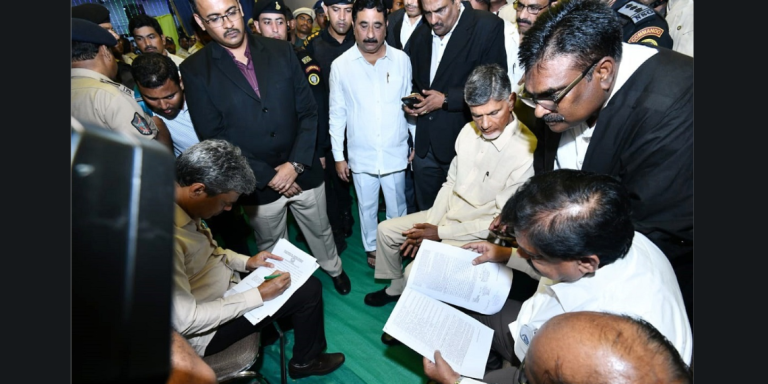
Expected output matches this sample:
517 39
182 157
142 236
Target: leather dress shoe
387 339
323 364
342 283
379 298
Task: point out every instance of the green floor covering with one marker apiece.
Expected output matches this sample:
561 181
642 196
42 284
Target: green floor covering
351 327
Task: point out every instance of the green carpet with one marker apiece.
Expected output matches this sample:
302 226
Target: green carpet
351 327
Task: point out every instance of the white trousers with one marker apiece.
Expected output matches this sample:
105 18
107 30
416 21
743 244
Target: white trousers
367 189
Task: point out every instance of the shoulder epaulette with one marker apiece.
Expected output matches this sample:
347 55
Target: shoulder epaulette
120 87
310 37
636 12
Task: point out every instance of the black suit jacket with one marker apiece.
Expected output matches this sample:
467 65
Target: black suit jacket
477 39
395 26
277 127
644 137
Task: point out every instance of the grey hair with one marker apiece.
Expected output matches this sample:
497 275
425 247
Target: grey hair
486 82
217 164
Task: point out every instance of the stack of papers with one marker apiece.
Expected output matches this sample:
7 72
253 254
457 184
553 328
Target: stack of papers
300 265
423 321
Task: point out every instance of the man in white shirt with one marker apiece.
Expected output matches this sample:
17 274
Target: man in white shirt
367 83
575 230
401 24
149 37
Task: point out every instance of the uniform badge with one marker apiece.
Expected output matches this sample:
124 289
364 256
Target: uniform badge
141 125
312 68
277 5
646 32
120 87
306 59
314 79
636 11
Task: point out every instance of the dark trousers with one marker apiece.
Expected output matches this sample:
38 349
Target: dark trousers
338 196
305 309
429 174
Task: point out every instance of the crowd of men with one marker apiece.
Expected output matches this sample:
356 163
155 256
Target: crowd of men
562 127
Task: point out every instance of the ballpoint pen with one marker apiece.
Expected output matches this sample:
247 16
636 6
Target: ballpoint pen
270 277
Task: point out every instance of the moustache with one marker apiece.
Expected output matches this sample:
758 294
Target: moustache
374 41
523 21
553 118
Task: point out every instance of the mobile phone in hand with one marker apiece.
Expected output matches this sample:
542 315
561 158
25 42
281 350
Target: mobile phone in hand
411 100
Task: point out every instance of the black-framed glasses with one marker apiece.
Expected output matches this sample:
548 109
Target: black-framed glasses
233 14
550 102
521 378
533 9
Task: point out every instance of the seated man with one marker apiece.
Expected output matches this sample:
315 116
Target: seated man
574 347
210 176
574 229
494 156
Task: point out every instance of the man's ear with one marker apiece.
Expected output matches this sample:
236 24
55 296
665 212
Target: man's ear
589 264
605 72
512 100
258 27
199 21
197 190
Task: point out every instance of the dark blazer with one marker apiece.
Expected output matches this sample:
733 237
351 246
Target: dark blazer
395 26
278 127
477 39
644 137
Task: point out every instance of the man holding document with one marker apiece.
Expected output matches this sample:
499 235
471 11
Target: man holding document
574 228
210 177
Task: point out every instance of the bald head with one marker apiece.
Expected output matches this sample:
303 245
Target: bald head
601 348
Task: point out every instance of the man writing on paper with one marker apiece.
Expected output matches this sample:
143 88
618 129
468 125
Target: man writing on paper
210 176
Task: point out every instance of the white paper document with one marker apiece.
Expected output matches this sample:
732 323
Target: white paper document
300 265
422 320
426 325
445 272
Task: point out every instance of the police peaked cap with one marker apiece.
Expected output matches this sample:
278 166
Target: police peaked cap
268 6
328 3
89 32
96 13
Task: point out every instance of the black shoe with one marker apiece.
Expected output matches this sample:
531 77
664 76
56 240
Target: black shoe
389 340
379 298
323 364
495 361
342 283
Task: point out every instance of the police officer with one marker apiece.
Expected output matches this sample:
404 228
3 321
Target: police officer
95 98
641 24
325 46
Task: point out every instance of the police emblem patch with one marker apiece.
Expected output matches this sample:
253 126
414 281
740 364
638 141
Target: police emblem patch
314 79
312 68
141 125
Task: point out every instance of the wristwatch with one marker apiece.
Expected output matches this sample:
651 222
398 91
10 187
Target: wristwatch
298 167
445 101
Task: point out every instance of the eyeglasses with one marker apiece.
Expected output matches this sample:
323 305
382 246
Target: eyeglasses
521 378
217 21
506 240
550 102
532 9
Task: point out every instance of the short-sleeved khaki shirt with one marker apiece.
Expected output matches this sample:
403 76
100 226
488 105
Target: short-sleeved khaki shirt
102 102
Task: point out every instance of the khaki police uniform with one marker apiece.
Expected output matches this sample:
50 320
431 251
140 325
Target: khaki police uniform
100 101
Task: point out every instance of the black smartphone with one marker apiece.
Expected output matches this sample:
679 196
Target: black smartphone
410 101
